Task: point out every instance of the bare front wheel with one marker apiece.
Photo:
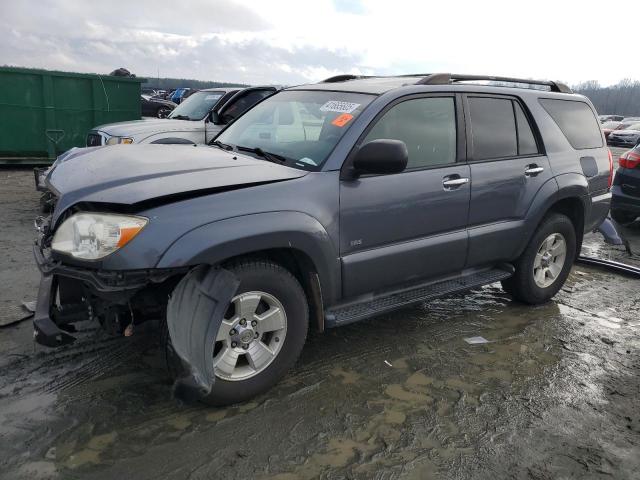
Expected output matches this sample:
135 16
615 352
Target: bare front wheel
545 262
250 336
261 334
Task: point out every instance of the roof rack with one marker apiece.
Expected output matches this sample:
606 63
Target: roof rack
343 78
447 78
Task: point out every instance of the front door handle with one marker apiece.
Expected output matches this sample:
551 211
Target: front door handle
533 170
452 183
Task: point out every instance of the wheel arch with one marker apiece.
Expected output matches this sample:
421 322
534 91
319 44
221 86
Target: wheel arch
566 194
293 239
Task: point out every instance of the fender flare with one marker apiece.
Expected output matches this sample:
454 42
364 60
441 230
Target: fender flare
218 241
569 185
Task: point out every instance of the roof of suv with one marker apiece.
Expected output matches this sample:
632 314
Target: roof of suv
380 85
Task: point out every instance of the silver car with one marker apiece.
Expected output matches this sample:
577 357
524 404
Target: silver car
196 120
628 137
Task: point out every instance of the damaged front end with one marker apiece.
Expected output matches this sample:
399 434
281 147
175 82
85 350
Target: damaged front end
117 299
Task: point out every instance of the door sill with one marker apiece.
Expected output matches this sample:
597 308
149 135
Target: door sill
377 304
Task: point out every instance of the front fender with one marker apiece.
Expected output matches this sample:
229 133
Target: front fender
215 242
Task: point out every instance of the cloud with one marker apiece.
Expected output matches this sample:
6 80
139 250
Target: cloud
293 41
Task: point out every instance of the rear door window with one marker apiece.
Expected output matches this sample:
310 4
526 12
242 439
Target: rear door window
526 140
576 120
493 128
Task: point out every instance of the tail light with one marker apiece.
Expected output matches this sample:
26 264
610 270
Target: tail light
610 168
630 159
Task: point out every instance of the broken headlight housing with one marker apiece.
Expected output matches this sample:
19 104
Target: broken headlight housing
91 236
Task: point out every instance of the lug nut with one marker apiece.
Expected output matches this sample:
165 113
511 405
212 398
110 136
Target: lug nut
257 335
232 332
234 344
243 322
245 346
277 339
254 323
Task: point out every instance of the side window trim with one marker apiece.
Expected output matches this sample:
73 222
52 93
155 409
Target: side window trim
459 124
533 126
468 128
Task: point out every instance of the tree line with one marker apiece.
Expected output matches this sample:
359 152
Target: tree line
173 83
620 99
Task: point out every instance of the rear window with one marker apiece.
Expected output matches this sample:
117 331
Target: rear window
576 120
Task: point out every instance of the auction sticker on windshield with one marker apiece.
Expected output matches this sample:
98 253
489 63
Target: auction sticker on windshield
339 107
342 120
212 97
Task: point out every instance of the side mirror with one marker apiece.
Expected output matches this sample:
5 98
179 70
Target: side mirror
383 156
214 117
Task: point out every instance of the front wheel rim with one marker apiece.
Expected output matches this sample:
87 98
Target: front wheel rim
549 260
250 336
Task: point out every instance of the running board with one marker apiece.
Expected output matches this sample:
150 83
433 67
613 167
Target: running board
353 312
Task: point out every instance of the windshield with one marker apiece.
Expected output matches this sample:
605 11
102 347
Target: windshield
197 106
610 125
635 126
299 126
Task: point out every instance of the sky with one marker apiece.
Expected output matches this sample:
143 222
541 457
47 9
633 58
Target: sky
300 41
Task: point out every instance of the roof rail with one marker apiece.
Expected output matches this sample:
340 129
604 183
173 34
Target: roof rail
447 78
342 78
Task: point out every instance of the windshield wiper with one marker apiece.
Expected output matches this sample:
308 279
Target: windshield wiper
219 144
180 117
271 157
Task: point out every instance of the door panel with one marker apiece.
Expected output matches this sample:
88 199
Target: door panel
503 188
501 195
402 228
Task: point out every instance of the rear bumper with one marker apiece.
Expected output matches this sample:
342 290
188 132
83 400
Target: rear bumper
598 211
623 201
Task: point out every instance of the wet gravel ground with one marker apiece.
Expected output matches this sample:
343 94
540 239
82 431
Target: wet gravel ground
554 394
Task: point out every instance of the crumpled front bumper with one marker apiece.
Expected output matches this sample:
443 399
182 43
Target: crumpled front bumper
113 287
45 331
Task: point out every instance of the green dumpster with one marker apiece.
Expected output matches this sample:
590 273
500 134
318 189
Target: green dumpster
44 113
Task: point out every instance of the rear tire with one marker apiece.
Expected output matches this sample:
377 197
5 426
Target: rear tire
253 374
545 263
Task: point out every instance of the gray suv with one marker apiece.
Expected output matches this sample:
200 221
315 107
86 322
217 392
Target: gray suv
322 205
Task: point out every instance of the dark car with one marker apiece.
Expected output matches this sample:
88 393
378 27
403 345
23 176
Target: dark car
625 135
155 107
322 205
625 200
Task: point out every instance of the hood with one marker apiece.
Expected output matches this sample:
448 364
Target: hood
130 174
146 127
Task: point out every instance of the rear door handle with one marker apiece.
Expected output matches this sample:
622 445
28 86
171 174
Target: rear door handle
533 170
452 183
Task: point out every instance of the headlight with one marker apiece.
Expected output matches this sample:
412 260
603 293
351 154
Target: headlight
95 235
117 140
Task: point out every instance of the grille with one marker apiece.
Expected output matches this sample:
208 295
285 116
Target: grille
94 140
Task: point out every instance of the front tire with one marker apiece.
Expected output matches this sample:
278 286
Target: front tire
545 263
261 335
162 112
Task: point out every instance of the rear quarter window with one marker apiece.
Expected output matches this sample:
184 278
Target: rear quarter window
576 120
